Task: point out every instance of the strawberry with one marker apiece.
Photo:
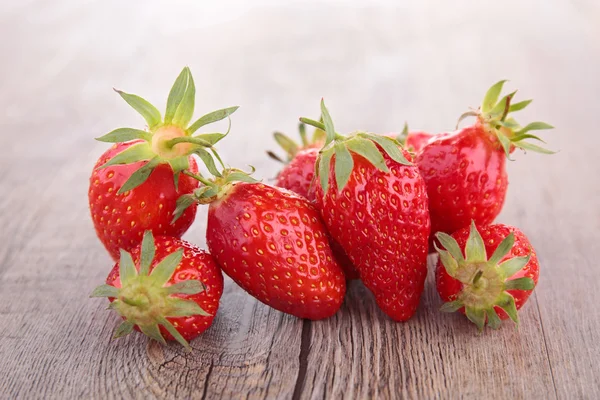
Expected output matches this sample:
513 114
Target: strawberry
136 183
166 288
486 273
273 244
465 170
374 203
298 175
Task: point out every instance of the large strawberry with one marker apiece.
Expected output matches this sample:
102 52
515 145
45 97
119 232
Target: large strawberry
298 176
166 288
271 242
486 273
136 183
465 170
374 204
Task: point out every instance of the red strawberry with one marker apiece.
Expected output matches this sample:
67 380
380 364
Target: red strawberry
121 219
374 204
464 170
168 289
273 244
486 273
298 175
136 183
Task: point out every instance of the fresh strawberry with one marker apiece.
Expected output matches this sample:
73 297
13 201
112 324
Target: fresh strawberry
486 273
121 219
166 288
374 203
298 176
272 242
136 183
465 170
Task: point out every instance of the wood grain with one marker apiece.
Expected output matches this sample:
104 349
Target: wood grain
377 65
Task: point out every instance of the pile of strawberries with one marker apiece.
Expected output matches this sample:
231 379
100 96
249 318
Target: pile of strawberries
358 206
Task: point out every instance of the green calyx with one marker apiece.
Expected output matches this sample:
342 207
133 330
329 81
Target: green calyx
143 298
291 147
494 114
169 140
485 281
342 147
212 189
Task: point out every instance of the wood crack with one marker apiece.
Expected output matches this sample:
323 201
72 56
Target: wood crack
303 367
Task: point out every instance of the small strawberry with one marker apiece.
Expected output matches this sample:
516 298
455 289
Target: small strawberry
486 273
298 176
167 289
374 204
465 170
136 183
273 244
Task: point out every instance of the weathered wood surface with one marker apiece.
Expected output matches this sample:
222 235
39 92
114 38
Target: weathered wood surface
377 66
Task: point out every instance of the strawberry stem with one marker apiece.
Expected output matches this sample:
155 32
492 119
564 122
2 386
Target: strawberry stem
200 178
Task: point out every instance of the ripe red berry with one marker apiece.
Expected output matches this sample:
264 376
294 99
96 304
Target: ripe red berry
487 273
166 288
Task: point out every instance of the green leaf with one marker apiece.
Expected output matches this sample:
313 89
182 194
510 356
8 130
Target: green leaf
212 138
105 291
186 308
182 204
500 107
191 286
492 318
368 150
127 269
534 126
287 144
507 303
124 329
533 147
148 251
144 108
165 269
466 115
475 248
140 176
153 332
519 106
211 117
208 160
175 333
343 165
476 316
185 111
176 94
137 152
124 135
178 164
218 157
520 284
449 262
505 142
302 131
451 306
503 249
390 146
240 177
451 245
513 265
491 97
328 123
324 168
518 138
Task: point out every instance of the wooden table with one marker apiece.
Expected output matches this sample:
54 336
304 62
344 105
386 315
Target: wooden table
377 66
